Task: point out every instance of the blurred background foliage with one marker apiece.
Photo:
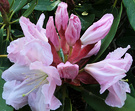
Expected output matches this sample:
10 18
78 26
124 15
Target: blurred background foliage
122 33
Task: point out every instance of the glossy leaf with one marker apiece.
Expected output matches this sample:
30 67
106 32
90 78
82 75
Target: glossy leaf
108 39
86 21
30 8
46 5
128 38
98 103
130 8
19 4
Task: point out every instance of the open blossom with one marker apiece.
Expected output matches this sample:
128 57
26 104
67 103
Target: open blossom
109 72
23 83
38 65
31 80
29 48
98 30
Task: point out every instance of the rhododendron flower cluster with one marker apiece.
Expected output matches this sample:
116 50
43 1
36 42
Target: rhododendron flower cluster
46 58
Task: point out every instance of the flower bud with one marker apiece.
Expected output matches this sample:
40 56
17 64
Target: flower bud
52 34
98 30
61 18
73 30
68 70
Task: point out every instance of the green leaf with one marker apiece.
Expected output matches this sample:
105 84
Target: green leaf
132 91
19 4
86 21
128 38
130 8
108 39
30 8
67 105
46 5
4 62
98 103
3 106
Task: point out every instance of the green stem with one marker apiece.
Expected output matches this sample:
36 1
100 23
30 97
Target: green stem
1 23
115 2
8 32
70 51
3 26
81 70
14 21
3 55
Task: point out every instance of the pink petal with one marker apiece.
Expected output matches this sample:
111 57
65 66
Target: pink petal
49 70
55 103
95 50
32 31
37 50
13 93
40 22
48 92
117 94
118 53
107 72
15 72
36 101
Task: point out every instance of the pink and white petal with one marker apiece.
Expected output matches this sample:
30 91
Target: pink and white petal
36 34
49 70
15 72
105 73
13 93
14 50
40 22
128 61
55 103
24 22
36 101
37 50
118 53
48 91
117 94
95 50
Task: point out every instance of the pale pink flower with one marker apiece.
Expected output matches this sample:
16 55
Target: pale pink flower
98 30
52 34
68 70
31 30
117 94
33 47
73 30
110 70
61 17
24 52
33 85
